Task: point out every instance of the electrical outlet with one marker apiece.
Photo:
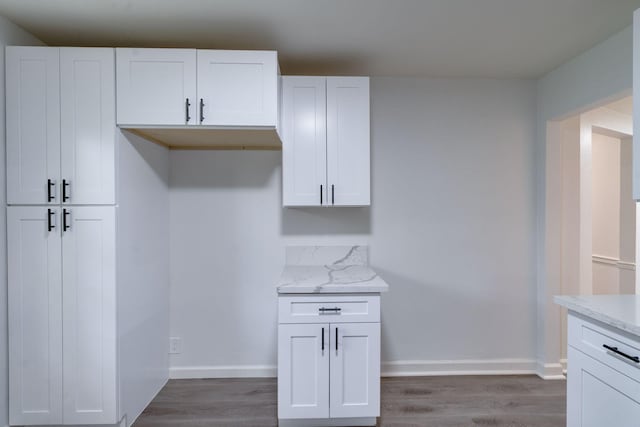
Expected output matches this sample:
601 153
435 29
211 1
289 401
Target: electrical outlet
175 345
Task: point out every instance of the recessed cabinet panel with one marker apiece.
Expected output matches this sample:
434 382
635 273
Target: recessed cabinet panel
87 83
348 140
156 86
598 395
35 309
238 88
303 371
304 141
33 124
89 320
355 370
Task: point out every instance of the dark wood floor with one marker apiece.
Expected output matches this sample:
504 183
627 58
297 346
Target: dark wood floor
514 401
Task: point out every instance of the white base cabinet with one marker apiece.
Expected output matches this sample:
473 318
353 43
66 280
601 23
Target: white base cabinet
329 371
603 384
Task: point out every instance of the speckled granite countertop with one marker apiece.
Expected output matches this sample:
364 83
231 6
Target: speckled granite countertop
329 269
618 311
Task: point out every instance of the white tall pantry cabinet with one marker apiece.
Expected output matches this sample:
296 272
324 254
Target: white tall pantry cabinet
62 156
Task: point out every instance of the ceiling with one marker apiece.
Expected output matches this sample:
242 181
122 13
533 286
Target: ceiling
435 38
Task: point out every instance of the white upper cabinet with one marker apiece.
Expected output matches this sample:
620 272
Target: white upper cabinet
348 140
237 88
60 125
178 87
87 125
326 139
156 86
33 125
304 150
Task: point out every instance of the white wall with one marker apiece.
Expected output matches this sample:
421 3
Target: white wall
598 75
450 229
10 34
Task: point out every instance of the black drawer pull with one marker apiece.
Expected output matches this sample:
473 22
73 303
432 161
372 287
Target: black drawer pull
50 215
50 194
324 310
322 339
620 353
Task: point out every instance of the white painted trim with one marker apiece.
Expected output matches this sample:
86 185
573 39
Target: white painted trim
327 422
410 368
563 362
550 371
398 368
616 262
234 371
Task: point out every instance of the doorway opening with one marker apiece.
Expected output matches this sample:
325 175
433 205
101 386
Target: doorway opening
597 213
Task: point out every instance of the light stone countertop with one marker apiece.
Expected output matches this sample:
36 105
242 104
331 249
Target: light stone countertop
329 269
618 311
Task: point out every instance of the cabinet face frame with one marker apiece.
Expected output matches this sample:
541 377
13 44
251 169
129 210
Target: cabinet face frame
237 88
35 309
304 141
303 365
33 124
154 85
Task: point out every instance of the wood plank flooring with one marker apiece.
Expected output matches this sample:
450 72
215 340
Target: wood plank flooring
460 401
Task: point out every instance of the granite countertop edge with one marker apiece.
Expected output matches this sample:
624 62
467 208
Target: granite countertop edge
586 308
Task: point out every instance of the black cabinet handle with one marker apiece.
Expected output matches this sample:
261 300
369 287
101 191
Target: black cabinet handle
620 353
324 310
336 339
333 201
322 339
65 224
65 195
320 194
50 194
187 104
201 110
50 214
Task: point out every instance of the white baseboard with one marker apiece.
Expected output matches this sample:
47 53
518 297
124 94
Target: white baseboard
401 368
236 371
551 371
412 368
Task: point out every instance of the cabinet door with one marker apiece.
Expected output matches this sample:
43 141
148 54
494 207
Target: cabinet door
156 86
87 108
304 142
89 338
348 140
598 395
35 322
33 124
238 88
303 371
355 370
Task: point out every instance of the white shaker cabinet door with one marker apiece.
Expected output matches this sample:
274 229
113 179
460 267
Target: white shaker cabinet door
355 370
304 142
33 125
87 86
348 141
156 87
89 321
598 395
303 371
35 316
237 88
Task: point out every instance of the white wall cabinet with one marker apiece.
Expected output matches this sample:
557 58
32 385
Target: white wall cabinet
62 315
60 125
328 372
178 87
603 385
326 141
